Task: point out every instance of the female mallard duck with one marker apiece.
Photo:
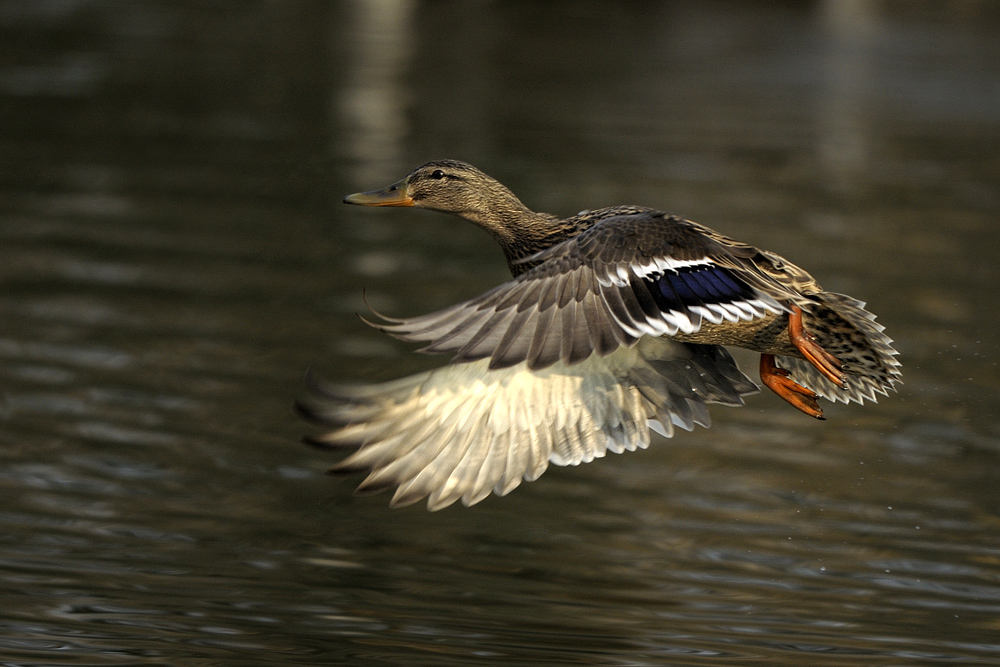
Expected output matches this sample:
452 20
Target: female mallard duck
613 325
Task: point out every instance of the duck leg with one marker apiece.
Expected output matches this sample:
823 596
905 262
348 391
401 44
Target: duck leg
825 363
777 380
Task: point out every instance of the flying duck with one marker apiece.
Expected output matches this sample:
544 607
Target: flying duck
614 324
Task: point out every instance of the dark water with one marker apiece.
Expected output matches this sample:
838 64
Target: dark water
173 256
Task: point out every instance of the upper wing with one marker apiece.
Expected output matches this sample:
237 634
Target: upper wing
626 277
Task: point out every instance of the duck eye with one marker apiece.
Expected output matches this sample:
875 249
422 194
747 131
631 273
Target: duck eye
437 174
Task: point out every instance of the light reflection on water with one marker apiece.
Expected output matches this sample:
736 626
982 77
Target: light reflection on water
174 256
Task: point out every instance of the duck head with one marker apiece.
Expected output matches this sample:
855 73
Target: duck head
448 186
459 188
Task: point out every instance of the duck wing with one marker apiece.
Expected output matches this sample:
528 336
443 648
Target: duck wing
626 277
462 431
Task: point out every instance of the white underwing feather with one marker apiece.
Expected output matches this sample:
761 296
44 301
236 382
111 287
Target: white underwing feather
463 431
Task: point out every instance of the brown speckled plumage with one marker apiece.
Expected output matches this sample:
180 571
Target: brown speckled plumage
615 321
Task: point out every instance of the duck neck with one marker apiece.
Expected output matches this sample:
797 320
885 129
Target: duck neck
520 231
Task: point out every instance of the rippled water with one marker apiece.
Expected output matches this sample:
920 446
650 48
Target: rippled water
173 256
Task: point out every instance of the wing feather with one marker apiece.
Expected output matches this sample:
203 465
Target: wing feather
461 431
641 273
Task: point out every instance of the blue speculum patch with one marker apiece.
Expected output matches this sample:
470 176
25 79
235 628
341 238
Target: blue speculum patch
681 288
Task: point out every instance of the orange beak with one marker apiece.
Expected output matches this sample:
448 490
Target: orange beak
394 195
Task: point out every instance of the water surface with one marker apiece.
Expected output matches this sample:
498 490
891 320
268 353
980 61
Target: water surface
173 256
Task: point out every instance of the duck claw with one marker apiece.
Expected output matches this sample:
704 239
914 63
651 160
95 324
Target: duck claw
804 342
777 380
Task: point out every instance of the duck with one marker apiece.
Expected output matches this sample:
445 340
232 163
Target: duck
615 324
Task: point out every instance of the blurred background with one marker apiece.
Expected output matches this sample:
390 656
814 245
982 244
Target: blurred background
174 255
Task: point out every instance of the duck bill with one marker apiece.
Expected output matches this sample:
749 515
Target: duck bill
396 194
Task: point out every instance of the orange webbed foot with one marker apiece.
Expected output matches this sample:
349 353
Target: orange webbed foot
777 380
826 363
